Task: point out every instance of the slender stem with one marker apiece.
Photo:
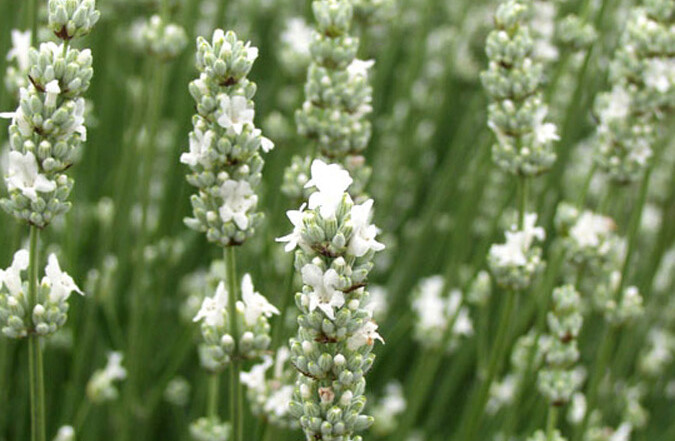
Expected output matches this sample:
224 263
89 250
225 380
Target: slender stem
36 370
522 200
587 185
214 384
236 399
477 406
604 354
278 332
610 333
551 421
33 20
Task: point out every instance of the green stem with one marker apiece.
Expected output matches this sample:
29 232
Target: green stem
278 332
236 399
477 406
214 384
522 200
551 421
600 366
33 20
36 369
587 185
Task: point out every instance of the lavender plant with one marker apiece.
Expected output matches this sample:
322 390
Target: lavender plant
521 156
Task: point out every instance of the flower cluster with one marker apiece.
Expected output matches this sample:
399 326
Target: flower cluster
658 352
51 307
575 33
224 155
72 18
336 243
557 381
294 55
514 263
642 75
101 387
388 409
296 176
270 397
618 306
589 239
513 78
47 128
210 429
163 40
254 330
435 314
337 92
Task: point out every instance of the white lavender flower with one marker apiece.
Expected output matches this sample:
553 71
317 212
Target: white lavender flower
658 353
224 147
388 409
513 78
47 128
51 308
163 40
16 75
271 394
65 433
218 345
72 18
337 93
295 39
557 381
435 313
589 239
101 386
514 263
210 429
333 348
642 74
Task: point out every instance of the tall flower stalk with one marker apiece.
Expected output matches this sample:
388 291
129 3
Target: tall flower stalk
45 135
524 148
332 351
225 162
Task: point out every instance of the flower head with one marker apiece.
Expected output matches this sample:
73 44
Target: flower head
590 228
518 242
297 35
